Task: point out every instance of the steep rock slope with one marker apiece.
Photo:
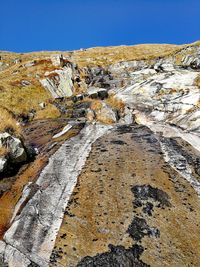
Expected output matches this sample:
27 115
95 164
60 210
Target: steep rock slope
116 178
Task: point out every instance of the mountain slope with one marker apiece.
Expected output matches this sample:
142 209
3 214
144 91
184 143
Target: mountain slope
114 179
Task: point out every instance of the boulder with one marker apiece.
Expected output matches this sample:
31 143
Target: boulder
29 64
79 113
3 66
55 59
16 148
59 60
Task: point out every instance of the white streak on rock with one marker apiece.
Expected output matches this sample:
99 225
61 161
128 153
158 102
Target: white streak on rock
64 130
24 196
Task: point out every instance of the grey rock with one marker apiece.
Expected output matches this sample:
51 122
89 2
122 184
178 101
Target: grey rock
127 116
79 113
95 92
17 151
102 94
3 66
16 60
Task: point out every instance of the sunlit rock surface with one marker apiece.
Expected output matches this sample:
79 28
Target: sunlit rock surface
59 83
116 181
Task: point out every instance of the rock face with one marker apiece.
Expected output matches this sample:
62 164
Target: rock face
124 189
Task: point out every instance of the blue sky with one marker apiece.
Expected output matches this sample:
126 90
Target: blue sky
33 25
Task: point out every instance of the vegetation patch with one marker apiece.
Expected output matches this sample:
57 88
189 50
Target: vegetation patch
49 112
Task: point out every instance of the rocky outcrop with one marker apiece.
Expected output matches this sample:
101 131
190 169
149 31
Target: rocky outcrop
59 82
169 96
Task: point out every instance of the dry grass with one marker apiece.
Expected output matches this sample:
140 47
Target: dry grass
104 119
100 55
96 105
22 99
110 55
8 123
4 151
49 112
115 103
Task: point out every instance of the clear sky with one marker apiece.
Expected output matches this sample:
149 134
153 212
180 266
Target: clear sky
30 25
